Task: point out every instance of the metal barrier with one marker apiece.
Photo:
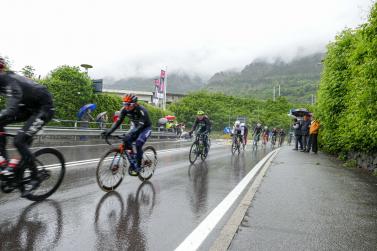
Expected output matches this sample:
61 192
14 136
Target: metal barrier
54 131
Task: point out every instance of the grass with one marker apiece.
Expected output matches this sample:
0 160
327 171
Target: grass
350 164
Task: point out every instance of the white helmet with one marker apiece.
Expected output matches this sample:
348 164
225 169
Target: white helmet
259 125
242 124
265 128
237 123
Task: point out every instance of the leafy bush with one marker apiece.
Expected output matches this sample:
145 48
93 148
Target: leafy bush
348 90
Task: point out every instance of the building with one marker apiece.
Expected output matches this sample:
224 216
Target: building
145 96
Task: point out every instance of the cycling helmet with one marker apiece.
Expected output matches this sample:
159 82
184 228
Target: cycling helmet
3 64
129 98
259 125
242 124
265 128
237 123
199 113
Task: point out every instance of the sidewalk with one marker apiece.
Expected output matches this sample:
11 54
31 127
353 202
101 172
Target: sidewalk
310 202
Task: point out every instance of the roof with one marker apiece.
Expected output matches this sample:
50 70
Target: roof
127 91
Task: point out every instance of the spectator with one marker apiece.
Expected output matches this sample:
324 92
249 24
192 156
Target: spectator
313 135
102 121
305 132
116 116
297 132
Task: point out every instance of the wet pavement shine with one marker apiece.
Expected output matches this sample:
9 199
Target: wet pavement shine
310 202
153 215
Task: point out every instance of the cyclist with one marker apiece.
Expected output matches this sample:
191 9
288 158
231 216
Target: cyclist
27 102
140 129
281 136
257 132
236 130
244 132
265 135
202 125
274 134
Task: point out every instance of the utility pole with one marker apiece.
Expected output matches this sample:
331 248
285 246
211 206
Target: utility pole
279 90
312 99
274 94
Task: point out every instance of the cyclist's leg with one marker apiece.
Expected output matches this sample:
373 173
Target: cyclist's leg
24 137
140 141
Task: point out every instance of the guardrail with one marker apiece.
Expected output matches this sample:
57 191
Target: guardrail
53 131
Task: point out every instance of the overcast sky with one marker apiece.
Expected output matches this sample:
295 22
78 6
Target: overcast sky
124 38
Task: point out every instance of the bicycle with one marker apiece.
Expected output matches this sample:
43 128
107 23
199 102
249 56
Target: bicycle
197 148
273 141
255 142
48 162
114 163
236 145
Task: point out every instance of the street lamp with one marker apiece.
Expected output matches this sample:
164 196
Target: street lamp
86 67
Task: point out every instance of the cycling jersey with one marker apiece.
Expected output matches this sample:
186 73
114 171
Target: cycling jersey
244 130
22 94
237 130
202 126
258 130
26 101
139 118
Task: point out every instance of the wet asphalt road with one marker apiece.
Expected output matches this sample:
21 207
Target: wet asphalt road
155 215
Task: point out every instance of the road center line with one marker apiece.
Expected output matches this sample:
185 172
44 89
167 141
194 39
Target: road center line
200 233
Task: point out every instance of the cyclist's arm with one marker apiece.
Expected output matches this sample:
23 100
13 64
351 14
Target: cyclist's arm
194 125
115 126
14 94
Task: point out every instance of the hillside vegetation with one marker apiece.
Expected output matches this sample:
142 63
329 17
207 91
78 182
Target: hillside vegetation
298 79
223 109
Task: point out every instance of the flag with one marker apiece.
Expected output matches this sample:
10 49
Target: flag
162 74
162 85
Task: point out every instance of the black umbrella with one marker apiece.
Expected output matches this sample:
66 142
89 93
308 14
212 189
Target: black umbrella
300 112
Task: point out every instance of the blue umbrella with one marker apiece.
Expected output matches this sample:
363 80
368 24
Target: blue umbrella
85 108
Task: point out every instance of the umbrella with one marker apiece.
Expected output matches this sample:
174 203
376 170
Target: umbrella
99 116
300 112
85 108
170 117
162 121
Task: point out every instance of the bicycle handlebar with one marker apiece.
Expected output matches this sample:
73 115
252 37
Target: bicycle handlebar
107 138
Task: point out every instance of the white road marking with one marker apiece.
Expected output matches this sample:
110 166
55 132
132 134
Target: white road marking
93 161
200 233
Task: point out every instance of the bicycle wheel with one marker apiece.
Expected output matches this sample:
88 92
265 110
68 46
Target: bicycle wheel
194 152
234 147
204 154
148 163
111 170
51 169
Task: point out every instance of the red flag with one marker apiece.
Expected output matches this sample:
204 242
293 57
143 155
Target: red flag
162 74
162 85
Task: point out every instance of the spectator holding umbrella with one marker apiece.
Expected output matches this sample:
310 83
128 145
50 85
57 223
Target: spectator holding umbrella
305 132
101 119
297 131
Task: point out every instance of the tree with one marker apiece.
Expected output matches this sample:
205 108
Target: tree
71 89
28 71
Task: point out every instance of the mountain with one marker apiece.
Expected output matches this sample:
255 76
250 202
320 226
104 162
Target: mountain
179 83
298 79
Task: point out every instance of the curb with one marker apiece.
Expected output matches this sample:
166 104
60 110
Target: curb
230 229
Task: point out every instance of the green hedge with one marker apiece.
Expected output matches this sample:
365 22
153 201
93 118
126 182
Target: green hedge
347 98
